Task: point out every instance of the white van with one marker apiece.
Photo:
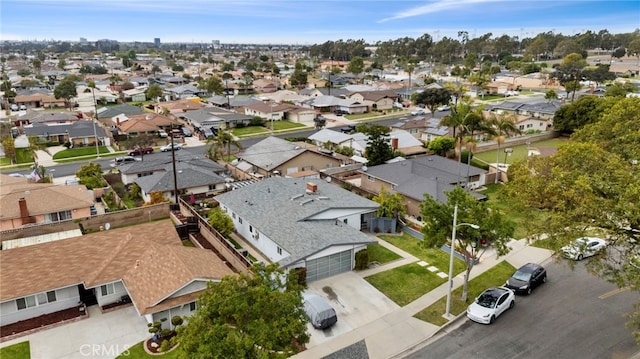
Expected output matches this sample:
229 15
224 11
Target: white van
320 313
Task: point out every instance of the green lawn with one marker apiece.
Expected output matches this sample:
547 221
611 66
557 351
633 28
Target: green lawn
249 130
405 284
525 220
494 277
16 351
4 161
77 152
285 125
380 254
519 152
24 155
137 352
433 256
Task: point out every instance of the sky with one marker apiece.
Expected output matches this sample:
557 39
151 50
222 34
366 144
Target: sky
305 22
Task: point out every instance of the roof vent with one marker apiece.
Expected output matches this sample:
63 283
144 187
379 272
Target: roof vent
305 202
323 197
296 196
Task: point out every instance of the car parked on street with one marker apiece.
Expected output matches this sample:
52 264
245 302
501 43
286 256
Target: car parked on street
526 278
584 247
123 160
140 151
443 108
167 148
418 112
491 304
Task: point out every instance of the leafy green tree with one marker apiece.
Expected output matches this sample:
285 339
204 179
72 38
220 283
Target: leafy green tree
90 175
570 73
24 72
633 49
153 92
356 65
253 315
550 95
66 90
616 89
378 149
433 97
223 140
441 145
573 116
298 78
219 220
599 74
212 85
391 204
494 227
9 147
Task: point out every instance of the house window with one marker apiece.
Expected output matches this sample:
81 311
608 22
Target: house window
279 250
370 178
212 187
107 289
233 215
192 306
239 220
26 302
48 297
58 216
250 228
346 221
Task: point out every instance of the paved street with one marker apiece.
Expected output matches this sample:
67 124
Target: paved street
573 315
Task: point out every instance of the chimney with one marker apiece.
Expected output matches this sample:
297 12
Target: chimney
312 187
118 121
24 212
394 143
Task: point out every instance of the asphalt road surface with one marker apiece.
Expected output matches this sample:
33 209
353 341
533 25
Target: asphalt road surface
573 315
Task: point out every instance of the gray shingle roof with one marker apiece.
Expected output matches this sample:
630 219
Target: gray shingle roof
281 209
271 152
120 109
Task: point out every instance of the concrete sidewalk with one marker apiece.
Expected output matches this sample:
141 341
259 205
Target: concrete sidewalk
398 332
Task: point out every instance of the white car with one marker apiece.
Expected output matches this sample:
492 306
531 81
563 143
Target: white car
490 304
584 247
443 108
418 112
167 148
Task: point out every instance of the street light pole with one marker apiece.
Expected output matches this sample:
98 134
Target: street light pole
95 115
452 249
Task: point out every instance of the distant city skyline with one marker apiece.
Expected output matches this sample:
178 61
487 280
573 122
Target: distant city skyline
306 22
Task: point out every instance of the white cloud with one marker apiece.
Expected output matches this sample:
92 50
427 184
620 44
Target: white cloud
435 7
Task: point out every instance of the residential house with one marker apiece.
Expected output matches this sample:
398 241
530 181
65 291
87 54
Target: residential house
38 99
195 174
295 223
184 91
269 110
528 116
149 123
277 157
179 106
330 104
232 102
399 140
214 117
425 129
24 202
79 133
413 178
145 264
118 110
46 118
265 86
135 95
376 100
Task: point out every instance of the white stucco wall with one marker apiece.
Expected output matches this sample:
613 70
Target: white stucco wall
194 286
119 291
352 215
65 298
181 310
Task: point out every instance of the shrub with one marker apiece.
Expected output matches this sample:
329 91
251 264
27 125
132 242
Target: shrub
177 320
154 327
165 332
166 345
256 121
301 276
362 259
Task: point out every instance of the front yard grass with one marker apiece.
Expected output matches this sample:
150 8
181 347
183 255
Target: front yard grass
24 155
519 152
380 254
284 125
16 351
434 256
405 284
494 277
77 152
249 130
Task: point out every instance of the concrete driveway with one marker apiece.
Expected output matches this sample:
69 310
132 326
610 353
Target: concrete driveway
355 301
99 336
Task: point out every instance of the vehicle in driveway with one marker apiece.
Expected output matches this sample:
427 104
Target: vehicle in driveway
526 278
320 313
490 304
14 107
140 151
584 247
167 148
163 133
186 132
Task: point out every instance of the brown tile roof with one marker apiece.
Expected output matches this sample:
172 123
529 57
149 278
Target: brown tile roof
183 104
149 258
164 269
94 259
42 198
146 122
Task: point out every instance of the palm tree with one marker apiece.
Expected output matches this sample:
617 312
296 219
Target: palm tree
456 120
504 126
219 142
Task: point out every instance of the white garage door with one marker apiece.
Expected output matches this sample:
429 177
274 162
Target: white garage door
328 266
